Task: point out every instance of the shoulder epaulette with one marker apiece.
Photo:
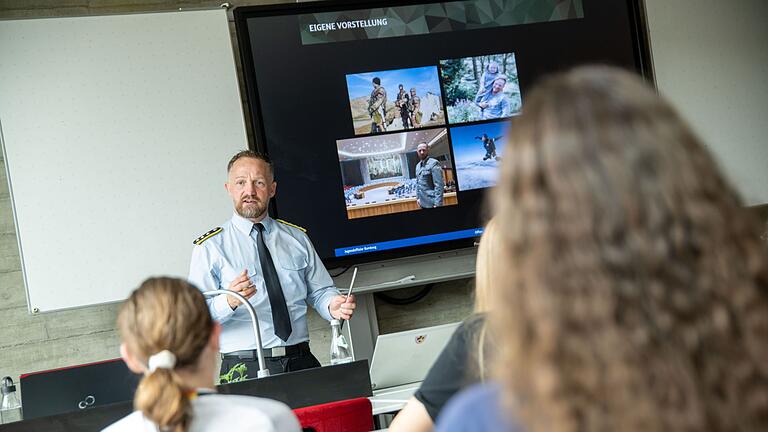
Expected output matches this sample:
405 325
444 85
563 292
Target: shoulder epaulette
292 225
207 235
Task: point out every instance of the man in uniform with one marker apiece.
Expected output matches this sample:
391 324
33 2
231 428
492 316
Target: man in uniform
377 107
415 109
402 102
270 262
429 179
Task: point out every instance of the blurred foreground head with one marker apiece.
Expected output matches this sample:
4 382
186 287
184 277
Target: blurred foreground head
167 316
635 290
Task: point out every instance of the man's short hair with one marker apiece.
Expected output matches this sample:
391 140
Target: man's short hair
377 80
423 144
253 155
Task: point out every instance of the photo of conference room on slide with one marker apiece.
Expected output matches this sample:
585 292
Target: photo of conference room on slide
481 87
396 173
395 100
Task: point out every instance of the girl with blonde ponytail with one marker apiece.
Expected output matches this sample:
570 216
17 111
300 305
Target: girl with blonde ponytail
169 337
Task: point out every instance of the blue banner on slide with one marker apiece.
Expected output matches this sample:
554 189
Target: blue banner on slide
412 241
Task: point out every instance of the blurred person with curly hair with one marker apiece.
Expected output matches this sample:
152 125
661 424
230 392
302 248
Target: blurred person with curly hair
635 283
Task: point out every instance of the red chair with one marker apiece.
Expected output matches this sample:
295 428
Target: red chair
351 415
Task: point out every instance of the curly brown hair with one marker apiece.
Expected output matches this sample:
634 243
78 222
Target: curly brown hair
634 282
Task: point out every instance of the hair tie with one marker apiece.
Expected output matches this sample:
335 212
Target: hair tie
162 360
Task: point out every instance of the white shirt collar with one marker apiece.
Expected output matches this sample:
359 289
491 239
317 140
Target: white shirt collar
245 226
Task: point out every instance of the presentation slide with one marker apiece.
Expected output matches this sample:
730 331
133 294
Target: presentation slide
387 121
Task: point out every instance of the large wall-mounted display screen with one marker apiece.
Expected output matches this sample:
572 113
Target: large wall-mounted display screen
386 121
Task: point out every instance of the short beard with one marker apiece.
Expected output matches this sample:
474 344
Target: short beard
253 211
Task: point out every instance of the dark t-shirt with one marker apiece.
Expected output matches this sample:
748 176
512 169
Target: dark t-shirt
455 368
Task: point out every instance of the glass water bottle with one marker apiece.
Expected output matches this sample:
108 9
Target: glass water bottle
10 407
340 352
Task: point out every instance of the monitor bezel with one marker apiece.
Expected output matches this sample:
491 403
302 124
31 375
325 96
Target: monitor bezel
641 55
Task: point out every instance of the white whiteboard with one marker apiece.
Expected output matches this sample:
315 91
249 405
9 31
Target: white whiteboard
711 59
116 132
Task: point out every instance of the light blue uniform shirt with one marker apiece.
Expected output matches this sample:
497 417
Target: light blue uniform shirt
498 105
221 258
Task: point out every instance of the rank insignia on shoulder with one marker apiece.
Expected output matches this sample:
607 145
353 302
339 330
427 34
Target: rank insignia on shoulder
291 225
207 235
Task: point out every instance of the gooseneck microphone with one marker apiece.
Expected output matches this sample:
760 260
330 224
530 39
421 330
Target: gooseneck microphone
263 371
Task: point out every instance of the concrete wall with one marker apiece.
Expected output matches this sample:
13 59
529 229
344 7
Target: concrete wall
711 61
31 343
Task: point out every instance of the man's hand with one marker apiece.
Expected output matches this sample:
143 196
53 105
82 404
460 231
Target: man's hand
342 307
242 285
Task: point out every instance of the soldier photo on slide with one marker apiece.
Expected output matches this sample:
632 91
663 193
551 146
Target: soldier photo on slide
403 103
394 100
377 107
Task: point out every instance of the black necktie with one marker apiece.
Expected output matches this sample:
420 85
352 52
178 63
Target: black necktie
280 317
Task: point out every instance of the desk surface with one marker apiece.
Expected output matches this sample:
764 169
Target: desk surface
392 399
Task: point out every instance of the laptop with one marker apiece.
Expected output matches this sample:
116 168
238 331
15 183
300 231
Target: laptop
405 357
76 388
